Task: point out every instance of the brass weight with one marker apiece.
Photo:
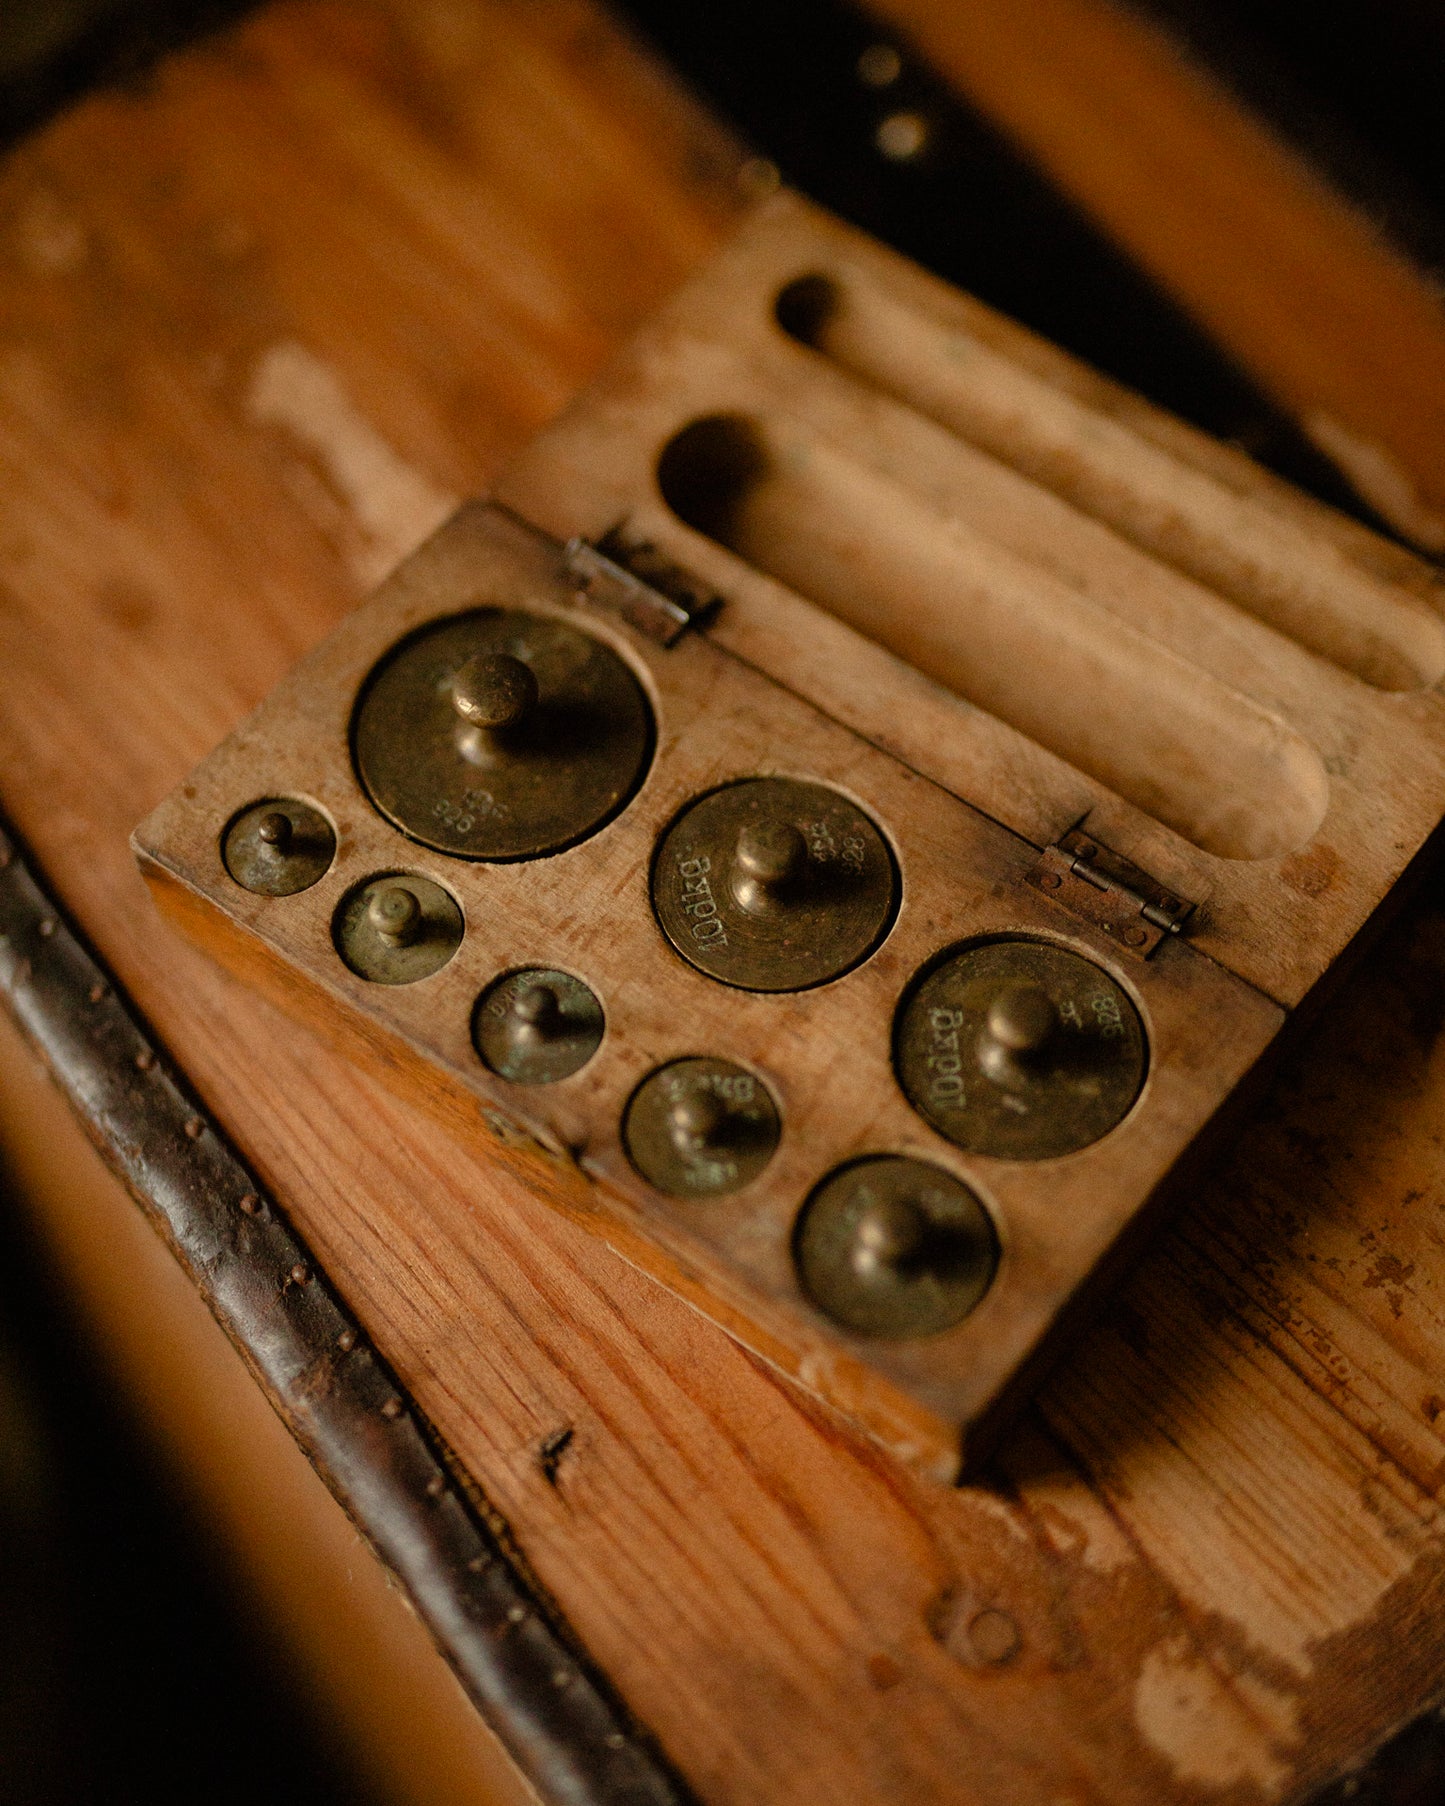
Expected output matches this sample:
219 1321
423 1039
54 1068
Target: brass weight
279 847
397 928
1019 1049
501 735
700 1128
537 1026
895 1247
773 884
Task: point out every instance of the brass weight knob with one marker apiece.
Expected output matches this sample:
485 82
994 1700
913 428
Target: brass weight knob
887 1237
536 1013
494 691
394 912
1022 1019
769 865
275 832
1017 1032
696 1122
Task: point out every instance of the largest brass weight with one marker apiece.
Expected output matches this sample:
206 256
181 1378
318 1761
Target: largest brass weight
501 735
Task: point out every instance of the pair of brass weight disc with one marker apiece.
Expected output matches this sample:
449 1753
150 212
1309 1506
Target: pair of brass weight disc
495 735
1015 1049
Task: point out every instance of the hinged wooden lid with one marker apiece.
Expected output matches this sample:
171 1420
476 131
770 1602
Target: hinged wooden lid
1026 583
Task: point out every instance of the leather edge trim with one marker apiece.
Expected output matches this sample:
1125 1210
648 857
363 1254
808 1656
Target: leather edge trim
552 1707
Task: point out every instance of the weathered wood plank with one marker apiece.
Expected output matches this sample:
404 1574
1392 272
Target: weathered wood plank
1218 1543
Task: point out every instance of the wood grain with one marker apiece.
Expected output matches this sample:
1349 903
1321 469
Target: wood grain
1218 1540
1300 287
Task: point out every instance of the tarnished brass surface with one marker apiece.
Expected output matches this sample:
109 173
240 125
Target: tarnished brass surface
699 1128
537 1026
772 884
397 928
278 847
500 734
895 1247
1019 1049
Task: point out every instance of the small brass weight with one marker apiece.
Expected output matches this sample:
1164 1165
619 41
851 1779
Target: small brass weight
850 878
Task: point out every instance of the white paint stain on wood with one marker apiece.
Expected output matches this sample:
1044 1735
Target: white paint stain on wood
391 505
1076 1522
1213 1733
51 241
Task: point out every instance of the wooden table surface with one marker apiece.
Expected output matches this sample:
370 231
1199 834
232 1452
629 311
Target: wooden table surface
260 324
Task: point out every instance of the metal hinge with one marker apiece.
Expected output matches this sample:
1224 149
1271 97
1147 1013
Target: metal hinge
633 579
1113 893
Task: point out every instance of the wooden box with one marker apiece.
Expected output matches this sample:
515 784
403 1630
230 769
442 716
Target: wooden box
1092 676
